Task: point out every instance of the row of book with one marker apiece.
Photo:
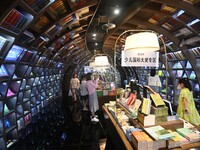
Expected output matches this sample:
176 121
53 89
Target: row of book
176 55
58 8
196 51
53 30
14 21
37 5
41 22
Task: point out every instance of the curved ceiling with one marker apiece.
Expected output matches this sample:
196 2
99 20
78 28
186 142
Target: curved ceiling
66 27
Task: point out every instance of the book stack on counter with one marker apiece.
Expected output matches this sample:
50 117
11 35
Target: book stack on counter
191 134
159 134
142 141
159 109
177 140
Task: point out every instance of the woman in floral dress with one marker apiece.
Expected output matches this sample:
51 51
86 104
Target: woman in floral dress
186 107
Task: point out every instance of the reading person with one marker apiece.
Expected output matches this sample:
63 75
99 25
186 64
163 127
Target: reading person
186 106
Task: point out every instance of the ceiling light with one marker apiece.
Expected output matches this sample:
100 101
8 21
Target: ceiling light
116 11
101 61
143 41
96 43
94 34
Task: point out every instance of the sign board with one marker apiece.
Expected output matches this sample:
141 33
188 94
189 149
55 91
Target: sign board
138 59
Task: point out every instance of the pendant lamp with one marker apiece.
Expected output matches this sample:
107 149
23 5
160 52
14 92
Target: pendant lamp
143 42
101 61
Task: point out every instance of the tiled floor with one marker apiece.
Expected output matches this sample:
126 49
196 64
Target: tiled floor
56 129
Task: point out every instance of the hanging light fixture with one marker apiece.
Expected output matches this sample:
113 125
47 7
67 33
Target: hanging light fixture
92 64
143 42
101 61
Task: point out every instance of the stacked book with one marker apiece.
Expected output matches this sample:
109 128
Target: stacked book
191 134
159 109
142 141
177 140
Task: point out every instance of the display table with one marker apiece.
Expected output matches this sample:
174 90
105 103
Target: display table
105 99
127 144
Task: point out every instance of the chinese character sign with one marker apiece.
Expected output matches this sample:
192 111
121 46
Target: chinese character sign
148 59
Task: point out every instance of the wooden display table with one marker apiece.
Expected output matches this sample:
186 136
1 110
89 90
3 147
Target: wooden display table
128 145
105 99
125 141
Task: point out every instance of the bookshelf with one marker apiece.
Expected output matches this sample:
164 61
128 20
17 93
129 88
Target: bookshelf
16 20
29 83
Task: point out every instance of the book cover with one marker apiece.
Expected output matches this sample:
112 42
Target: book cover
157 100
158 133
146 106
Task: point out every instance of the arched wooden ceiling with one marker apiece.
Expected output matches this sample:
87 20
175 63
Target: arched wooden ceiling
75 41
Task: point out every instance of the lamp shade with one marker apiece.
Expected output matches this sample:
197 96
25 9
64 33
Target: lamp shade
101 61
143 41
92 64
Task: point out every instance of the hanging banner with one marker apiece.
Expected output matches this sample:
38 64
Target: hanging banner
138 59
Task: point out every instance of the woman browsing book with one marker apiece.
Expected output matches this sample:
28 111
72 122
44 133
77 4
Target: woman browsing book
186 106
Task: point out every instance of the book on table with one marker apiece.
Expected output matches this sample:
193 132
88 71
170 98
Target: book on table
157 100
158 133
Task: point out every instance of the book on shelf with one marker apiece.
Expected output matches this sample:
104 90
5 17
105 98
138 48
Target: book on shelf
53 30
3 42
179 55
188 65
146 106
6 110
3 71
171 56
192 75
157 100
14 20
14 53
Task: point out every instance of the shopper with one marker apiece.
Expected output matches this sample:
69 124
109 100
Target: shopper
84 92
186 106
92 84
154 81
74 86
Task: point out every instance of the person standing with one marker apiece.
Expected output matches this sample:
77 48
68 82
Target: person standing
154 81
186 106
84 92
74 86
92 84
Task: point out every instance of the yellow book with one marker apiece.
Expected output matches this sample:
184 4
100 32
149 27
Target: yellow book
157 100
